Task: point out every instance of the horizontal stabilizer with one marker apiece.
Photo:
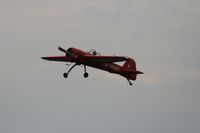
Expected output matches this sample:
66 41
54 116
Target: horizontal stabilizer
133 72
129 68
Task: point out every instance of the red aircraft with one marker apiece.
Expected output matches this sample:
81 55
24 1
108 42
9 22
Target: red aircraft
94 59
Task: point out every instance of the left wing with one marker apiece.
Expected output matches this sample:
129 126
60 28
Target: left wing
56 58
104 59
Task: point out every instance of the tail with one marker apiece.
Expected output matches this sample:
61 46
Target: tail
129 69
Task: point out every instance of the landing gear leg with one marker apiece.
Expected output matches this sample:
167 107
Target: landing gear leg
129 82
65 75
85 73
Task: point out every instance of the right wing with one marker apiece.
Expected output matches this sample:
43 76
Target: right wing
104 59
56 58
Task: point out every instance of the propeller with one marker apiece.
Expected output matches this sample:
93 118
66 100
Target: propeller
61 49
65 51
68 53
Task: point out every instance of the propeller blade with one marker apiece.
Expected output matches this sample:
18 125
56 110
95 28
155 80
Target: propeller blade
61 49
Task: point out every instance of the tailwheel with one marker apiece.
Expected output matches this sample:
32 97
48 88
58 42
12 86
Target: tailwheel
86 75
65 75
129 82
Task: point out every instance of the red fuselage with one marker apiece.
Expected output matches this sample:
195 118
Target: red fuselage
78 56
93 59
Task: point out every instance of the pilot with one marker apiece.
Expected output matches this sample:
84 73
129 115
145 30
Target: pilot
94 52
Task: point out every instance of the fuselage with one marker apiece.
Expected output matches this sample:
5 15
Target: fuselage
78 57
94 59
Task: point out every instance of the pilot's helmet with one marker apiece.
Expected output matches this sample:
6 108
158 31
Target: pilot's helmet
94 52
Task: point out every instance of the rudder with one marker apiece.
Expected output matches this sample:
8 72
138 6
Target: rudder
129 68
129 65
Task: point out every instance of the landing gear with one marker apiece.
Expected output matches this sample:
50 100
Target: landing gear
85 73
65 75
129 82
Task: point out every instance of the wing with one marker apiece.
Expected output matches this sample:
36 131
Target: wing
104 59
56 58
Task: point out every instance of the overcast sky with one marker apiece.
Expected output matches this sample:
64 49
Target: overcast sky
163 37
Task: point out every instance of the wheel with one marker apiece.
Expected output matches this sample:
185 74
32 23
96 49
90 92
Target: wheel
86 75
65 75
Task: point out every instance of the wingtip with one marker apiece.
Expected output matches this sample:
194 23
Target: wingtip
44 58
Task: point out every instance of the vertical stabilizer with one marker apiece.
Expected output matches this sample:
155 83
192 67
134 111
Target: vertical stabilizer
129 65
130 70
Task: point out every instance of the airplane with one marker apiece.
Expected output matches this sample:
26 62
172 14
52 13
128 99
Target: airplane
96 60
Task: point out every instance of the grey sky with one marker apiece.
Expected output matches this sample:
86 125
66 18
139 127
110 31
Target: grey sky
162 36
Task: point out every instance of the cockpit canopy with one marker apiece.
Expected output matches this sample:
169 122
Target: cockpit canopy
94 52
